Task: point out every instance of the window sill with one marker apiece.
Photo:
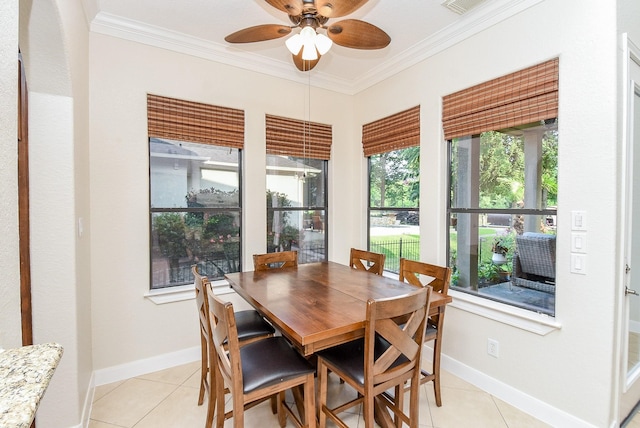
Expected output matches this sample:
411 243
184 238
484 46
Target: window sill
184 292
526 320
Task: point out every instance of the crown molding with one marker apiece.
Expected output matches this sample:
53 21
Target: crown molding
478 19
475 21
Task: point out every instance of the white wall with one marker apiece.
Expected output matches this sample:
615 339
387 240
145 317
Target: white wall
572 367
126 326
54 41
10 331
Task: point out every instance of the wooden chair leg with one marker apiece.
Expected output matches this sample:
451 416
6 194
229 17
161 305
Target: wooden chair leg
437 345
309 403
220 402
282 416
204 370
323 374
298 398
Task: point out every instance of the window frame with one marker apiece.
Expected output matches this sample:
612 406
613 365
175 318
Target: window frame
477 296
236 211
304 208
371 208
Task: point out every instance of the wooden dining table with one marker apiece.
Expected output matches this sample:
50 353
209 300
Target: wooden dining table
319 305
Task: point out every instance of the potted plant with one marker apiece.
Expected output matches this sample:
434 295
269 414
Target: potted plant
500 248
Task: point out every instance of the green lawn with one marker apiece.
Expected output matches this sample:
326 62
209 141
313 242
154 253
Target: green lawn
485 234
390 246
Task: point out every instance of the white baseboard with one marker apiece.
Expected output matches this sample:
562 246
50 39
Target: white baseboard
147 365
508 394
524 402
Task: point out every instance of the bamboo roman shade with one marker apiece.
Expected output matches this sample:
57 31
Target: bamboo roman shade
394 132
298 138
181 120
518 98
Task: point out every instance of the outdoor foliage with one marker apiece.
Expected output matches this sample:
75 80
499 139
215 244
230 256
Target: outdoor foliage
395 178
502 170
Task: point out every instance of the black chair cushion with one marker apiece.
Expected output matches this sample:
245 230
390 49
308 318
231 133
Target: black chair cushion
431 332
251 324
350 357
271 361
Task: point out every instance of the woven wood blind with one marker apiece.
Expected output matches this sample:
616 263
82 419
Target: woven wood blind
196 122
394 132
298 138
518 98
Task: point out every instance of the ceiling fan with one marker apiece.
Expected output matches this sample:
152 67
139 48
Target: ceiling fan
310 15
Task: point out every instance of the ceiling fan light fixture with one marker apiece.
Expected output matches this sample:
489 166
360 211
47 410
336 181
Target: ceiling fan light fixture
294 44
323 43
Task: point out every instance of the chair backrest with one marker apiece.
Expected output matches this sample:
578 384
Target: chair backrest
537 253
397 326
225 341
202 304
281 259
411 272
375 261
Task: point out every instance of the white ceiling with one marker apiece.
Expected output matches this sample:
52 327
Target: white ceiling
418 29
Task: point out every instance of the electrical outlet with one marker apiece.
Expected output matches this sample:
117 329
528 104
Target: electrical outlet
492 347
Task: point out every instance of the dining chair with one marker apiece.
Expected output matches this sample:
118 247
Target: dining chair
257 371
367 260
415 273
250 325
280 259
387 357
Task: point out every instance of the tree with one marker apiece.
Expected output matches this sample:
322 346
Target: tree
394 178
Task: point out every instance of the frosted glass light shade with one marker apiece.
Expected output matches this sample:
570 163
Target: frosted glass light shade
294 44
309 52
323 43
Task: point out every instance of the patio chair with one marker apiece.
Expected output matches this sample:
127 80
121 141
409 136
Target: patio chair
534 263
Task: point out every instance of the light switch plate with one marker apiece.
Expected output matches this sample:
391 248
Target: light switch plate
579 263
578 220
579 242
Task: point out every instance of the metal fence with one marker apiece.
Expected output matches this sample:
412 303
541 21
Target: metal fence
215 268
395 250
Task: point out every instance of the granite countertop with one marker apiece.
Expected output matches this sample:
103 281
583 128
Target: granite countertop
24 376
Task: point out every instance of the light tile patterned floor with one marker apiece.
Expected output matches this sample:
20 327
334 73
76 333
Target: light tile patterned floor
168 399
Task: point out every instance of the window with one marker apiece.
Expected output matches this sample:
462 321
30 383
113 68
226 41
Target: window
392 147
296 171
503 175
195 160
195 211
394 216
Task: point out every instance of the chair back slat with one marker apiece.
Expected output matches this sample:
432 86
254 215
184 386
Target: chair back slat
201 300
282 259
403 342
367 260
412 271
225 340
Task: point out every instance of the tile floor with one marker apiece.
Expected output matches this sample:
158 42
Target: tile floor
169 398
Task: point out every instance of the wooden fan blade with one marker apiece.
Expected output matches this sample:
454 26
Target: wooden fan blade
353 33
290 7
304 65
258 33
338 8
